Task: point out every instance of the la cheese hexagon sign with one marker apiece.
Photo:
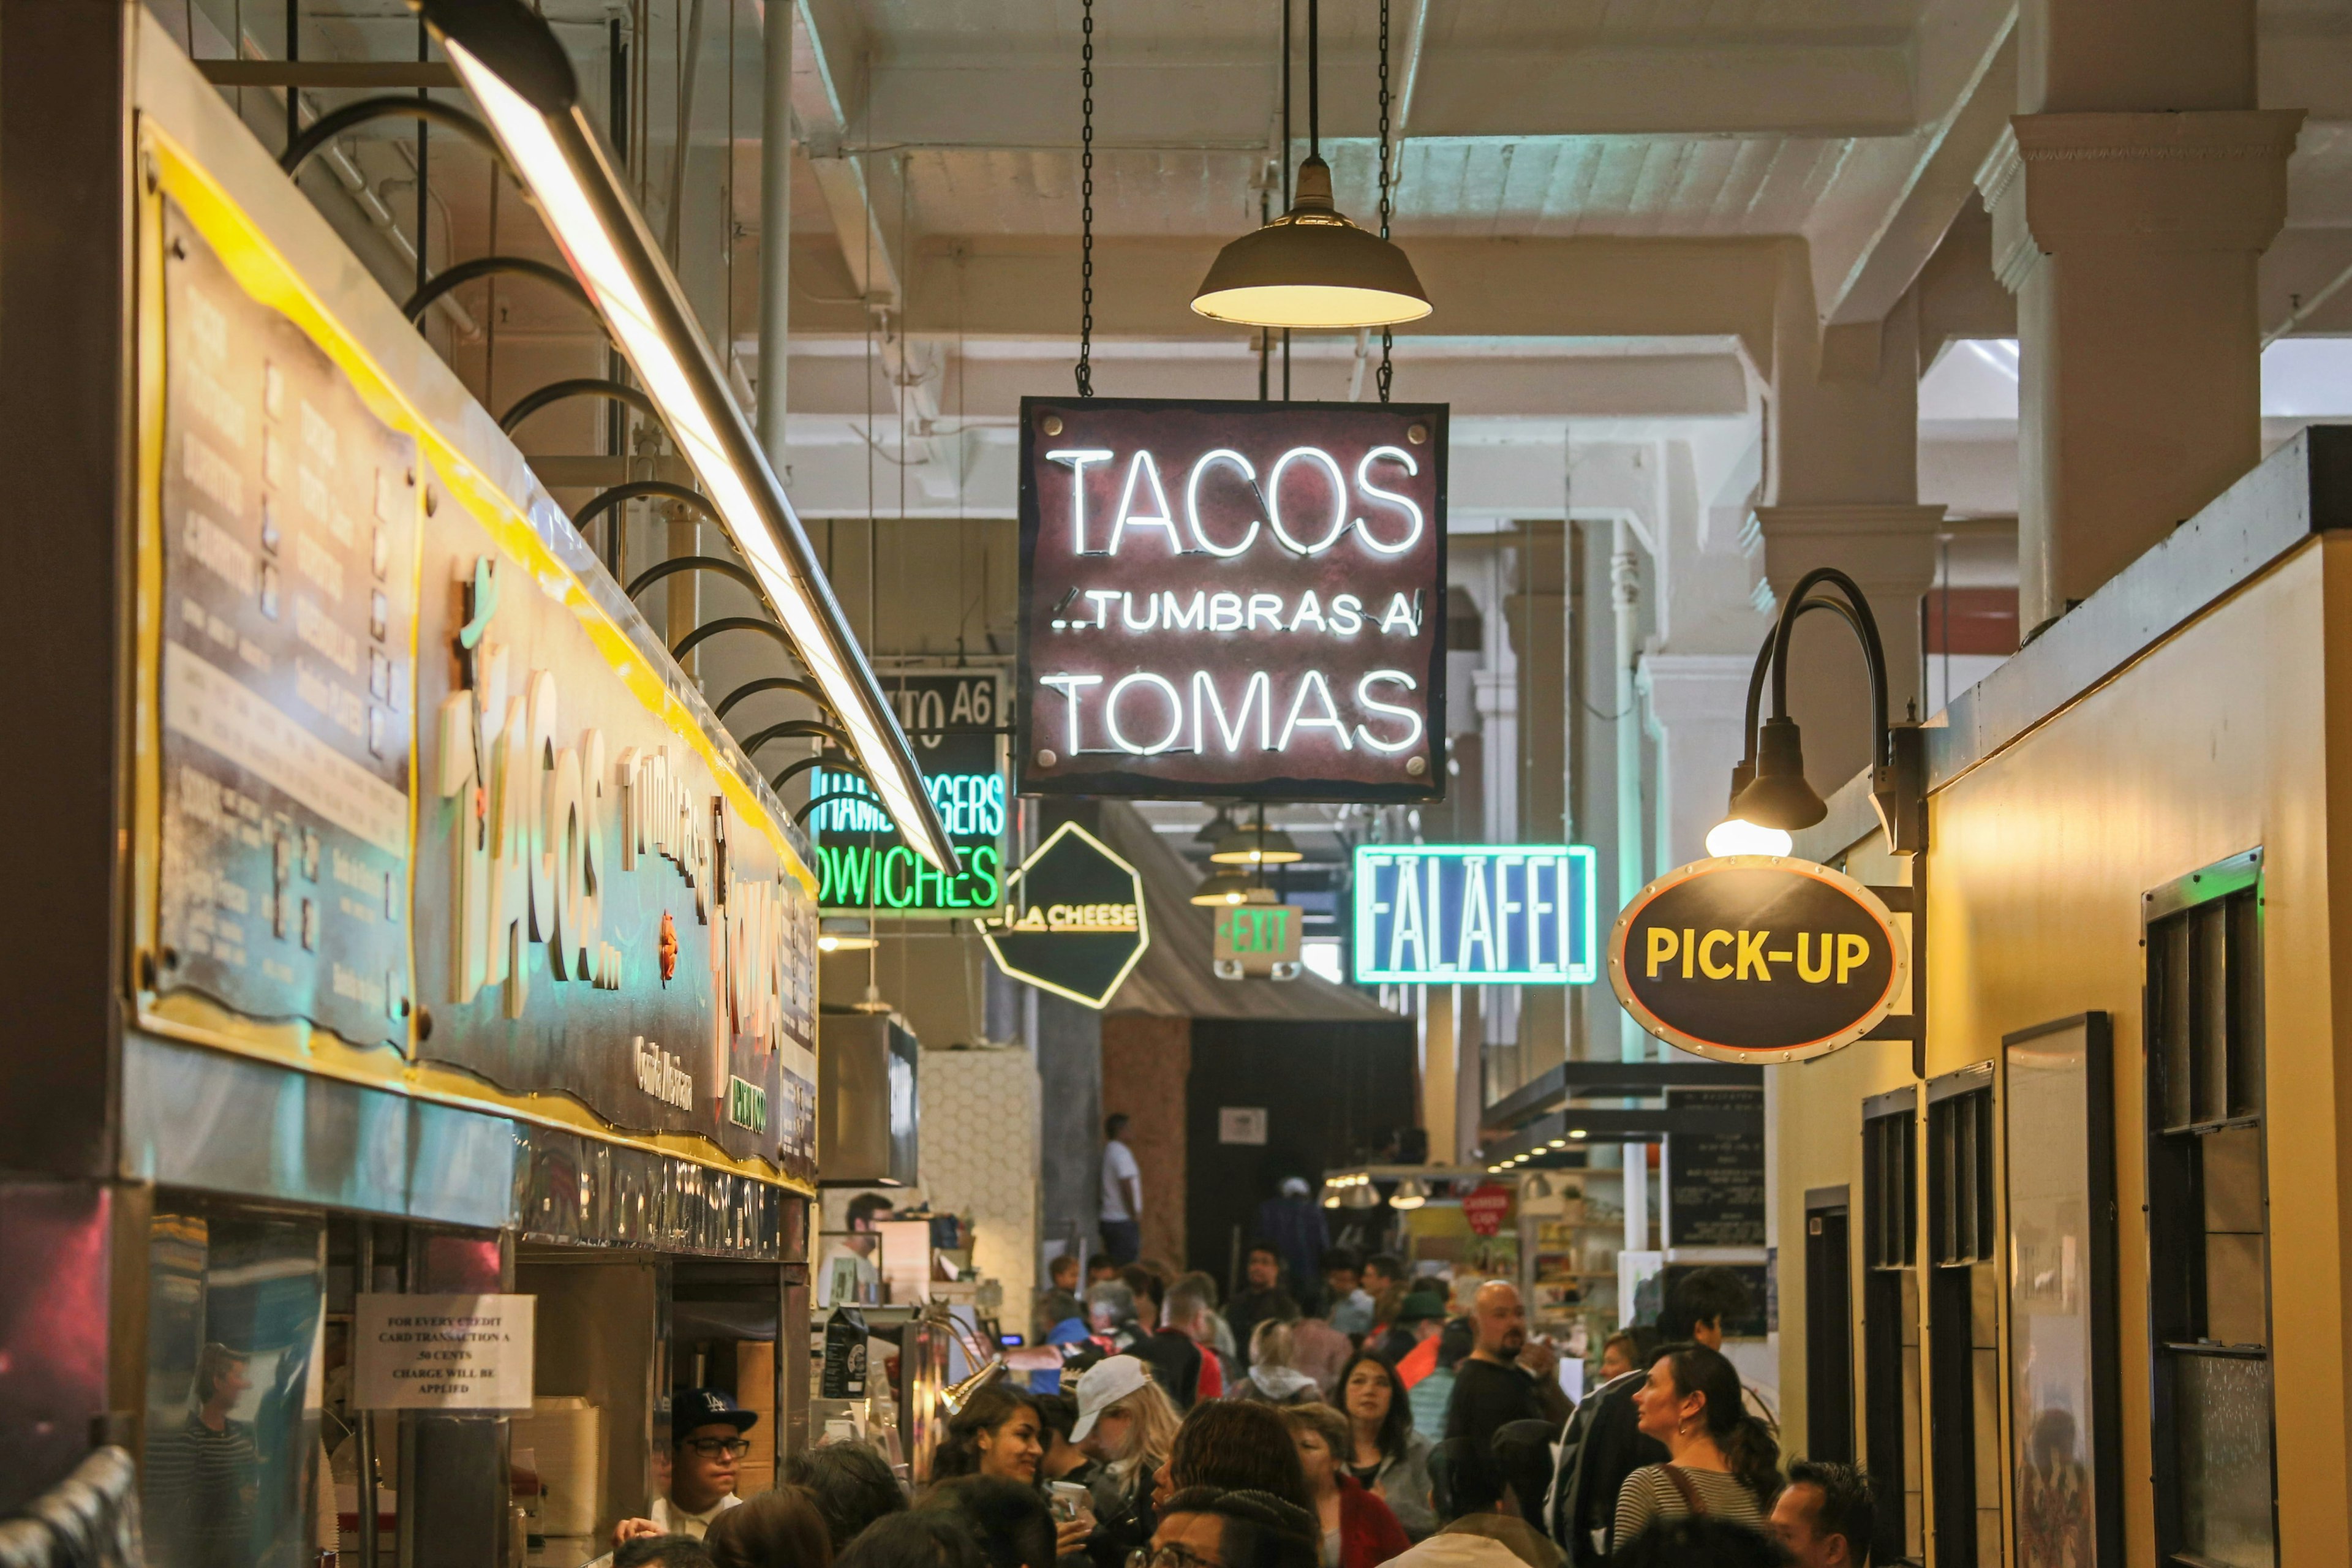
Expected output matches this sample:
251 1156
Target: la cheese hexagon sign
1758 958
1072 922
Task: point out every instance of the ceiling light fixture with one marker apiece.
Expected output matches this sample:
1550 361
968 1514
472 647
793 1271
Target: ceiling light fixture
1259 846
844 940
519 76
1409 1194
1222 890
1311 266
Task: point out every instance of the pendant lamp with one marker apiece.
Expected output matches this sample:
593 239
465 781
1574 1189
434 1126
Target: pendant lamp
1311 267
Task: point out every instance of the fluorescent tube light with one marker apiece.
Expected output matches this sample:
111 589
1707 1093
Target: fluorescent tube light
523 82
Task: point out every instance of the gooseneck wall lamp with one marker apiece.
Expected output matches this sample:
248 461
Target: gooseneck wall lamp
518 74
1770 798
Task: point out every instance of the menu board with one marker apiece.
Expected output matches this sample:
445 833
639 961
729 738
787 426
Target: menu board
288 518
1715 1180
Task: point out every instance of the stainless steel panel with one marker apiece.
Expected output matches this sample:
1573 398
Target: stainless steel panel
866 1101
205 1120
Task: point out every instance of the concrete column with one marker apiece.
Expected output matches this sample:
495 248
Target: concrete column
1437 1076
2130 241
1696 706
1843 488
1069 1043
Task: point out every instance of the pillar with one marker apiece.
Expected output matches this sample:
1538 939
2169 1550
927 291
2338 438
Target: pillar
1437 1075
2131 198
1696 705
1842 489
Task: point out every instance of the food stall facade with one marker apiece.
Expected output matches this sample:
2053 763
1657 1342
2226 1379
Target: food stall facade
413 926
2070 1282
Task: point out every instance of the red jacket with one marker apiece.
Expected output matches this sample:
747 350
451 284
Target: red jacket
1369 1533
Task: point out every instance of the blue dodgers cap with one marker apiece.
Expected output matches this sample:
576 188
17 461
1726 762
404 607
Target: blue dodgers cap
693 1407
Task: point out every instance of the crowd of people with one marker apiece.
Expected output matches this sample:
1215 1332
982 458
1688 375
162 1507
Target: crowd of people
1342 1421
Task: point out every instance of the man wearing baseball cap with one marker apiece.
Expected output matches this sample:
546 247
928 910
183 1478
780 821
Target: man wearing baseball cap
707 1442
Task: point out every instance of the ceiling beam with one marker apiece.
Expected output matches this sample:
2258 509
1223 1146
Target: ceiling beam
1222 93
1887 211
1027 286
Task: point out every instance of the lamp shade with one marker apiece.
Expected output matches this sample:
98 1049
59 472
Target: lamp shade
1411 1194
1312 268
1257 846
1780 796
1222 890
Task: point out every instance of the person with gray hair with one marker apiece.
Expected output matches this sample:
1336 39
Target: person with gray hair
1110 1313
1180 1363
1274 1378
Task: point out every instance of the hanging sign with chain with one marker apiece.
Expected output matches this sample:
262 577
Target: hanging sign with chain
1234 599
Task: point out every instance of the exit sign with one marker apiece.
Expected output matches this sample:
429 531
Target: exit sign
747 1105
1256 940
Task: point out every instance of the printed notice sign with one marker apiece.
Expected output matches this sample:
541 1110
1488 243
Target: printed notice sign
442 1353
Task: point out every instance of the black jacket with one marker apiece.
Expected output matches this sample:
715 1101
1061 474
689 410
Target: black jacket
1602 1444
1175 1362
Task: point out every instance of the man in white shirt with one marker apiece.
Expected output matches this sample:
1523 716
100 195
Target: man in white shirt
1122 1196
702 1487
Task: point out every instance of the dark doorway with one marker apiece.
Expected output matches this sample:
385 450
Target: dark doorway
1829 1327
1331 1093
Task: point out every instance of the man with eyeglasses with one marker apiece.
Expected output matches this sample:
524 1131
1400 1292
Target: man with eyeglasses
1209 1527
708 1444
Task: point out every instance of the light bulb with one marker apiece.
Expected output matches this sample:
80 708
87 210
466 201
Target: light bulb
1737 835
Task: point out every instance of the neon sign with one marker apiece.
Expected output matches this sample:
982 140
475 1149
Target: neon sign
1232 598
863 865
1476 914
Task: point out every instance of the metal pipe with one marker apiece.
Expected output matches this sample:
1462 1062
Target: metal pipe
693 63
775 228
363 1283
1625 601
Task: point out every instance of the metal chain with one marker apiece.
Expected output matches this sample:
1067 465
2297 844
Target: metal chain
1086 207
1387 375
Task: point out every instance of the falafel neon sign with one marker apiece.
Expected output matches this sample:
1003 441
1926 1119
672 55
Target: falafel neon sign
1235 598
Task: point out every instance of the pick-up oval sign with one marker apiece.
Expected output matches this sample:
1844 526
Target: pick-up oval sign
1757 958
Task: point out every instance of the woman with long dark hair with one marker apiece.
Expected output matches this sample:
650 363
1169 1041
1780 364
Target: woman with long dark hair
1723 1462
999 1432
1385 1455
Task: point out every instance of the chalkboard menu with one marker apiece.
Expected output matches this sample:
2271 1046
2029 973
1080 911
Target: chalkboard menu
1715 1180
288 525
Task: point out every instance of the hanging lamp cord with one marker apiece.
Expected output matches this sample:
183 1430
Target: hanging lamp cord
1087 205
1387 372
